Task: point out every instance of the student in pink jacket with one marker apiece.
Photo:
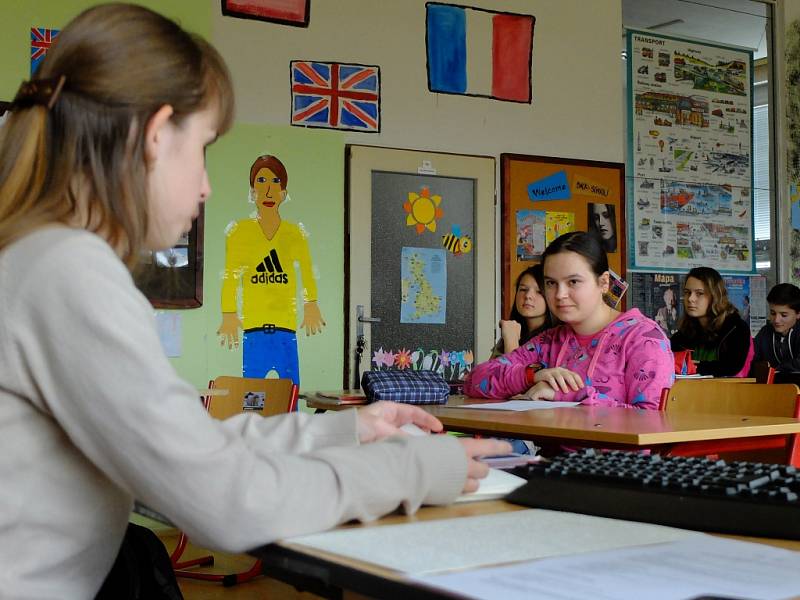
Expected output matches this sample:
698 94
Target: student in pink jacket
597 356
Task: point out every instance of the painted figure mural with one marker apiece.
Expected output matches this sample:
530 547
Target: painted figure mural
264 255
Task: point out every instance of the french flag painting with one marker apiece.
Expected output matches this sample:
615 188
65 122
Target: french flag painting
478 52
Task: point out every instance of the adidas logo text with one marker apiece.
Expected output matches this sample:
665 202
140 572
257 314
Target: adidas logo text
270 270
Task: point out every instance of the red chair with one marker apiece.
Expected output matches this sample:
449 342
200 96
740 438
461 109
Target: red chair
711 396
228 396
762 371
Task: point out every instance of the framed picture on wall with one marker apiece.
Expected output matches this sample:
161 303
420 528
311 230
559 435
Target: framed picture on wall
287 12
173 278
544 197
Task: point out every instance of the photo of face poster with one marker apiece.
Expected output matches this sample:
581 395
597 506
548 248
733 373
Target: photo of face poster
658 296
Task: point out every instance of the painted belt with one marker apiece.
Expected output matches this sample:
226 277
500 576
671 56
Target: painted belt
269 328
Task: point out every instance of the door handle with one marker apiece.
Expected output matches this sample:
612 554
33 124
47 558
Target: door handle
361 319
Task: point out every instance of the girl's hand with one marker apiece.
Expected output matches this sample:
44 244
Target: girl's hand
560 378
510 331
540 391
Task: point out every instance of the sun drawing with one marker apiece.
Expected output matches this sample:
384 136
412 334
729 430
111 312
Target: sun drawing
423 210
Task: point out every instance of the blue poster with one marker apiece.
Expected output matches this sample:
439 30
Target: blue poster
739 294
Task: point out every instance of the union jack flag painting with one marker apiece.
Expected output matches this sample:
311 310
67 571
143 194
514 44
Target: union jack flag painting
336 96
41 39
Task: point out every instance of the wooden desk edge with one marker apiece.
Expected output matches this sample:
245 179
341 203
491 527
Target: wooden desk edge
341 571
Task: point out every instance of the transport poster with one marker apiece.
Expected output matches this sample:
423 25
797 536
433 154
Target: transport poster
690 160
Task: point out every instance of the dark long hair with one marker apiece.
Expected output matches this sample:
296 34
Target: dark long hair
537 272
719 306
586 243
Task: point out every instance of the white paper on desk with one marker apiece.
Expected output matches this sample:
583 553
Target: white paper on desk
470 542
704 566
497 484
519 405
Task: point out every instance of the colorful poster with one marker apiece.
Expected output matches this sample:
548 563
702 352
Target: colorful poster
690 117
758 303
530 234
658 296
558 223
423 273
739 294
616 289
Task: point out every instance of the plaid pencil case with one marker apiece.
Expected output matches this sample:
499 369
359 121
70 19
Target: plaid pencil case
410 387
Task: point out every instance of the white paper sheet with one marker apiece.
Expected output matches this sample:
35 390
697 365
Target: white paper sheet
699 567
169 325
519 405
470 542
497 484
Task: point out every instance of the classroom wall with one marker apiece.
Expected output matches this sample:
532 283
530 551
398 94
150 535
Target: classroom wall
576 112
577 76
577 95
18 16
577 92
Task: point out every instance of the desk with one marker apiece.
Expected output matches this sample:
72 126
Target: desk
624 427
328 574
595 425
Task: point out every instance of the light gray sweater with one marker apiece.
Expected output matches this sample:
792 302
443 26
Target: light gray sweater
92 415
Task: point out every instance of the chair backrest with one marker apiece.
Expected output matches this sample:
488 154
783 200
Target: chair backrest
713 396
230 395
762 372
755 399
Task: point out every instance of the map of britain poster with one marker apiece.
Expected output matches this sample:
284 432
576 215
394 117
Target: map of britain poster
423 273
690 119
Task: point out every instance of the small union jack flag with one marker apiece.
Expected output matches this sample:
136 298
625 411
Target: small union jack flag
41 39
336 96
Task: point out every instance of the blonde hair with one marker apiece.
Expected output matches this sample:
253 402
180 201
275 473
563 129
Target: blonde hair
82 162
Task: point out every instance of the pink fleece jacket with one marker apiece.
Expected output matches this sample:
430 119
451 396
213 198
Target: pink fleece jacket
627 363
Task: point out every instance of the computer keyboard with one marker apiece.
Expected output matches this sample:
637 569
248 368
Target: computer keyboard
743 498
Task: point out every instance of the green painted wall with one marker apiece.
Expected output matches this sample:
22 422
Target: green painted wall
18 16
314 160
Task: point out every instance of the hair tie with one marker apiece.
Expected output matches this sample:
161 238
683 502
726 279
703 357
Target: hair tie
38 91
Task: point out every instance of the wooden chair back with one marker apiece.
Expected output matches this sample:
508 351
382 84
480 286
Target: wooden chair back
228 396
232 395
713 396
753 399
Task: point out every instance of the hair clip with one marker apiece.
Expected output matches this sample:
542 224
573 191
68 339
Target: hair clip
39 91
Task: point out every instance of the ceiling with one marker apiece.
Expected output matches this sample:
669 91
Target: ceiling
729 22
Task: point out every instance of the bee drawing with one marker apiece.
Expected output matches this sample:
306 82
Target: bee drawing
457 243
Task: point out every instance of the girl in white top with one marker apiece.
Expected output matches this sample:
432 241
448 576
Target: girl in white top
102 157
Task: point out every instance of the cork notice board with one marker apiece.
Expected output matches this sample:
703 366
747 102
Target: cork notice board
544 197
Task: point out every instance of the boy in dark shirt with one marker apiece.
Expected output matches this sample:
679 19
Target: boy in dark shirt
779 340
